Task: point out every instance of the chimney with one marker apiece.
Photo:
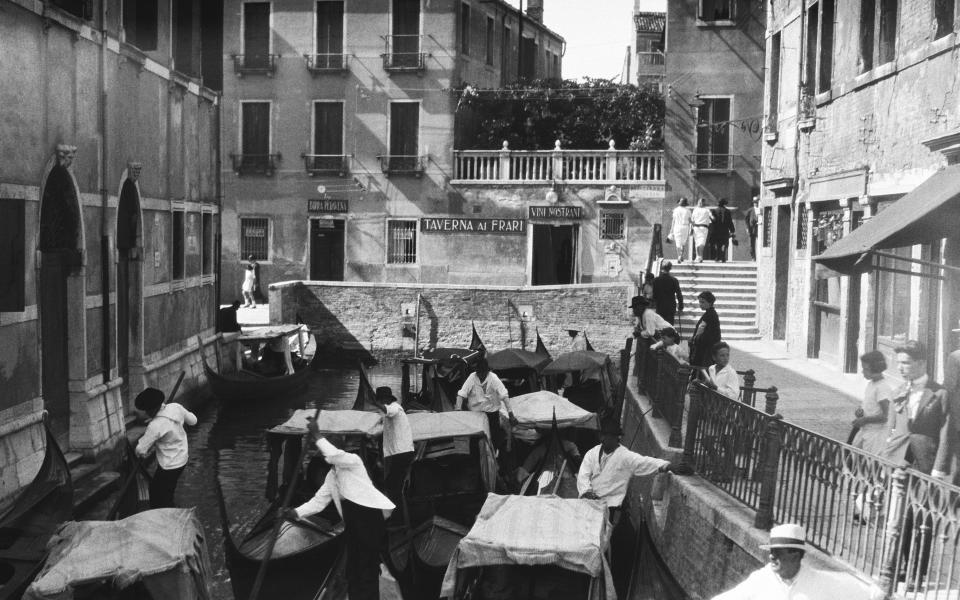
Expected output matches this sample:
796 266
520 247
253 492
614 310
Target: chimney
535 10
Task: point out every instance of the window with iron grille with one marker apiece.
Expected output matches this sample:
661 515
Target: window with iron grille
802 227
767 226
613 225
401 242
177 254
254 238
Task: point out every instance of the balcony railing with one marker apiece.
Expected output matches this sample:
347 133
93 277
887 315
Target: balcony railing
403 164
254 64
326 63
403 53
650 59
326 164
711 162
577 166
255 164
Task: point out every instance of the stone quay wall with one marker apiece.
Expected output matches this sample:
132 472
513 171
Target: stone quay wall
383 317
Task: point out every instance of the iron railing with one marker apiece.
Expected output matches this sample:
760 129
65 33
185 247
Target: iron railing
247 64
326 63
897 525
326 164
403 52
403 164
255 164
650 58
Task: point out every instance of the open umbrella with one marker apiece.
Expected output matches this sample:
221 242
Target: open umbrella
515 358
575 362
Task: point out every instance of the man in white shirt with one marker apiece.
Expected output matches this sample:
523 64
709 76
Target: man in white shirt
364 510
166 435
721 376
484 392
786 578
397 441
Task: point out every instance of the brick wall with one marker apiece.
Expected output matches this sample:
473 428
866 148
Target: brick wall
372 314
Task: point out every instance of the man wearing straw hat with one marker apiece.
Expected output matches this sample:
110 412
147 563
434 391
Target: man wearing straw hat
786 578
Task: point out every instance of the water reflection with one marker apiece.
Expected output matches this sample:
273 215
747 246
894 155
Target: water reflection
228 443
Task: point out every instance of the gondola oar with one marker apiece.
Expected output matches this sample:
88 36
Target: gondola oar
139 465
278 523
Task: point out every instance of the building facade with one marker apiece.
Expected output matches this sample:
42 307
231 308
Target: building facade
338 136
861 108
649 41
714 105
108 216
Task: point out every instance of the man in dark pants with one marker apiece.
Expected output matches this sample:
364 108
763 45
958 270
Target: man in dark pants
752 219
164 434
364 510
667 295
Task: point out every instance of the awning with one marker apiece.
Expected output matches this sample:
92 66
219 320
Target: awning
926 215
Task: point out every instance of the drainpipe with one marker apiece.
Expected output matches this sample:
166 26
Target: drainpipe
104 199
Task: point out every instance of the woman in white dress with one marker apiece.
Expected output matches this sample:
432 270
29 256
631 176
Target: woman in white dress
249 283
701 219
680 228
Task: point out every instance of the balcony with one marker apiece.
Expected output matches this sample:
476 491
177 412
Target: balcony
326 63
255 164
718 163
403 54
403 164
255 64
650 59
337 165
544 166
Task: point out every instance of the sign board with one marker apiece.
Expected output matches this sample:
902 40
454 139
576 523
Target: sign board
556 212
492 226
327 205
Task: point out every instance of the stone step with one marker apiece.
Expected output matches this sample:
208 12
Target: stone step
745 277
73 459
82 471
711 264
92 490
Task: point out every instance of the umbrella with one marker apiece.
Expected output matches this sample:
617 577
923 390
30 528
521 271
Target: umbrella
582 360
514 358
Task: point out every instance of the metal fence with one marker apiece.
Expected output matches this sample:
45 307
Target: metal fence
897 525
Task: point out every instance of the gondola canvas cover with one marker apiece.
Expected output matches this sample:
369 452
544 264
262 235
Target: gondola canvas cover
343 422
537 410
163 548
460 423
535 530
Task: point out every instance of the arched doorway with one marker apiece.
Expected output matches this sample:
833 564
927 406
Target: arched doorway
129 284
60 260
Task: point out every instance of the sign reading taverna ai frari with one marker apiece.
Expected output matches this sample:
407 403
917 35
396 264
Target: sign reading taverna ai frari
491 226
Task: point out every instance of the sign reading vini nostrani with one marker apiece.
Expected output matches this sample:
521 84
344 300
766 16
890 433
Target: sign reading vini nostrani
556 212
327 205
493 226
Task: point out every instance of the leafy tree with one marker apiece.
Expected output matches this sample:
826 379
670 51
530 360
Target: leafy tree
584 115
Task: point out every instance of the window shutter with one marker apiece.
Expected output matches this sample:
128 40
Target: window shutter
12 255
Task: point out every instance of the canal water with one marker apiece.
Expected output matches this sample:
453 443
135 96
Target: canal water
228 444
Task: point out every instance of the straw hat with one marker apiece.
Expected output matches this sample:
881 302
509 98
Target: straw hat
789 535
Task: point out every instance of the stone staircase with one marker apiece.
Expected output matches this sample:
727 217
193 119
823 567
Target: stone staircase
735 286
91 485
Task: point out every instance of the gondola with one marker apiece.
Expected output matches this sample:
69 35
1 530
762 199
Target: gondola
27 525
592 380
444 371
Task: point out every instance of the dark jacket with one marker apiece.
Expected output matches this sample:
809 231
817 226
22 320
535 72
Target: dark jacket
701 346
751 220
227 320
923 441
667 294
722 227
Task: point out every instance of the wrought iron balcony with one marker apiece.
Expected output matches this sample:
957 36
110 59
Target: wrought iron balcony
255 164
403 54
326 63
403 164
650 59
255 64
327 164
711 162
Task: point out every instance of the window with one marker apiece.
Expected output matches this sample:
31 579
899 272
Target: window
177 254
802 227
183 30
404 136
329 35
256 35
888 31
810 72
12 255
82 9
767 226
713 134
613 225
825 68
327 136
556 66
401 242
773 100
878 32
465 28
254 238
206 243
255 137
489 41
140 23
528 60
716 10
868 14
943 13
893 311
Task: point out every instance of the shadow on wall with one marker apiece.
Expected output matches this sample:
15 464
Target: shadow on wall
427 309
334 340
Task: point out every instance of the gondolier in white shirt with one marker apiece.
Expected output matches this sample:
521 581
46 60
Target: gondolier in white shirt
484 392
364 510
166 436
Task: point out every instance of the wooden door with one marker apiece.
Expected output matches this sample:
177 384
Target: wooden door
328 135
406 33
330 34
255 142
404 133
256 34
326 250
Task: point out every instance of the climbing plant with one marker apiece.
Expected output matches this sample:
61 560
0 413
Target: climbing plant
583 115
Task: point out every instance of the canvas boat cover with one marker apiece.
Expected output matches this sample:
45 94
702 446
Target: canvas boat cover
164 549
534 530
434 425
537 410
341 422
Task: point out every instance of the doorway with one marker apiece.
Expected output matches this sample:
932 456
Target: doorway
782 248
326 250
128 284
554 254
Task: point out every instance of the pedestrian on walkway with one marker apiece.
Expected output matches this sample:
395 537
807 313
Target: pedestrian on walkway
164 435
752 219
249 283
785 577
363 508
721 231
707 332
667 296
700 219
680 228
870 425
721 376
257 292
